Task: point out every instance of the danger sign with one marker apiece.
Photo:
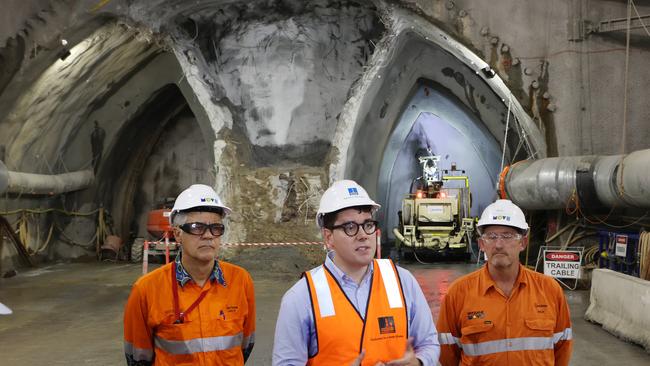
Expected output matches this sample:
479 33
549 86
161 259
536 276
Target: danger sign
562 263
621 245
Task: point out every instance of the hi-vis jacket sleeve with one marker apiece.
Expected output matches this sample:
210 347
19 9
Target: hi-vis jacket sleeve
448 332
249 322
138 340
563 336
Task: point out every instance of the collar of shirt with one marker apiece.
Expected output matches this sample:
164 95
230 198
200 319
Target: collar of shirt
339 275
183 277
486 282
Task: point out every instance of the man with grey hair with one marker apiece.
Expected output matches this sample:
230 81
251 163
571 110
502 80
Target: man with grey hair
504 313
196 310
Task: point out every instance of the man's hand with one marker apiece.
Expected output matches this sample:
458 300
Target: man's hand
357 361
409 357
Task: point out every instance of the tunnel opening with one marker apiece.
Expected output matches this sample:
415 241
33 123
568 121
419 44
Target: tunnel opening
156 153
435 120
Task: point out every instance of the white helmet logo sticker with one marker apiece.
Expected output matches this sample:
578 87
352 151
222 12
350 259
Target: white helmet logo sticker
353 192
501 217
208 199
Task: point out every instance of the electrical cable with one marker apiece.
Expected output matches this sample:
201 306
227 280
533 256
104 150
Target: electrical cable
23 231
644 255
505 138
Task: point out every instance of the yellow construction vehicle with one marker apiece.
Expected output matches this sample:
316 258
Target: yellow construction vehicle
436 216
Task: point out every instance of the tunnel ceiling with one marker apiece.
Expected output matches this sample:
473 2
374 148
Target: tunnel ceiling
55 105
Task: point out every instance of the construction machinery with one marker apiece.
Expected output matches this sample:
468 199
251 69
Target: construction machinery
436 215
160 230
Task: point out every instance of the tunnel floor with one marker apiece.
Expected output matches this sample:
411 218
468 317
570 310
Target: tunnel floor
71 314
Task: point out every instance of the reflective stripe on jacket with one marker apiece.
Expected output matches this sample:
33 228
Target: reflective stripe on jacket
214 333
342 331
479 325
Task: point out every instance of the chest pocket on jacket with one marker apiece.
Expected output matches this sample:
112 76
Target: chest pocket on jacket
475 333
540 327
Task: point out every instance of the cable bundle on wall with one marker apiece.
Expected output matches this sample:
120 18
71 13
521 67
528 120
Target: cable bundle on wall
23 230
644 255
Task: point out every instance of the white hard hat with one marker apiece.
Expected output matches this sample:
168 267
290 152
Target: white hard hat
503 212
343 194
197 195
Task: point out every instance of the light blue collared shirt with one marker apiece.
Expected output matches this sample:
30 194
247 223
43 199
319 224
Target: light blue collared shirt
295 335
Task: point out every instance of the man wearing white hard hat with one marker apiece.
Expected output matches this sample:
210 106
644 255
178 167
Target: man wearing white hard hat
354 309
196 310
504 313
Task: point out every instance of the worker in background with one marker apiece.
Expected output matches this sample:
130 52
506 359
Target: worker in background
504 313
354 309
196 310
97 145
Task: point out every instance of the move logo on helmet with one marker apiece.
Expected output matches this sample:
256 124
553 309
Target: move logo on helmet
208 199
501 218
353 191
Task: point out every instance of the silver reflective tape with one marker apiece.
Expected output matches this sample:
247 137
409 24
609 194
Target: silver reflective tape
390 283
138 354
448 338
325 303
248 340
198 345
507 345
565 335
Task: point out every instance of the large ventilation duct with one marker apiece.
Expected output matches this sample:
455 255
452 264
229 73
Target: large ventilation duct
43 184
595 181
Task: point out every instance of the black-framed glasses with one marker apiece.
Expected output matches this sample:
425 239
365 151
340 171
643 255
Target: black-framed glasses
505 237
199 228
351 228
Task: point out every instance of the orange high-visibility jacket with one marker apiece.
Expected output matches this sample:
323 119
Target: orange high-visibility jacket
478 325
214 333
342 332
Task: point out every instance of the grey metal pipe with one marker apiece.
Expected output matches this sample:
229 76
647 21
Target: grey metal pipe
43 184
596 181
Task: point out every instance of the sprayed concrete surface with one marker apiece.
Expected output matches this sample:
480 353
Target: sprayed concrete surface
71 314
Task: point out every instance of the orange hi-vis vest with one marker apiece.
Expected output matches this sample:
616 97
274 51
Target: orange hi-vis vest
215 324
342 332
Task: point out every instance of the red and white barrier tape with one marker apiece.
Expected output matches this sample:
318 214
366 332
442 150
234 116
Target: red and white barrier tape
271 244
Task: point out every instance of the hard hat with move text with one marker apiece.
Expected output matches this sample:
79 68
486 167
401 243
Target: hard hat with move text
343 194
503 212
198 195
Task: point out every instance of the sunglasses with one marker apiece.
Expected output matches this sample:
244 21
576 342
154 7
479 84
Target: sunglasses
199 228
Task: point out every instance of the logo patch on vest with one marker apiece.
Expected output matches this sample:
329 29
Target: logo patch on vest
386 325
475 315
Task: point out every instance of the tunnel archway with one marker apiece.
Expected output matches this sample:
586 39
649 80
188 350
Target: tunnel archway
156 154
436 120
416 51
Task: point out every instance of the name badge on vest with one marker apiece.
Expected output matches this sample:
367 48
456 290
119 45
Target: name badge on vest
386 325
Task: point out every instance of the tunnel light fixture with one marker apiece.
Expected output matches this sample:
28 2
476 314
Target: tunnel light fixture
65 52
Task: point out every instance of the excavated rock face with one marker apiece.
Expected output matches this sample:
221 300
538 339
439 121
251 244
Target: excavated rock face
285 69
